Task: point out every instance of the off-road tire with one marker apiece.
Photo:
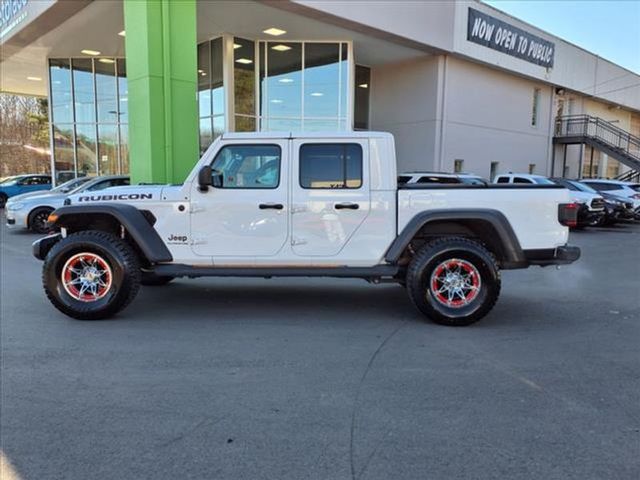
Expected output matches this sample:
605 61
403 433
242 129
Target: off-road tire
424 268
3 200
38 220
149 279
124 274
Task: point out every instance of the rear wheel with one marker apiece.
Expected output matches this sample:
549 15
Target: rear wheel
454 281
38 220
91 275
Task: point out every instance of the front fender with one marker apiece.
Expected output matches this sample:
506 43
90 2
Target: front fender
139 228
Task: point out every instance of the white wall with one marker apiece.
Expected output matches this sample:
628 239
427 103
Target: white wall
405 101
488 119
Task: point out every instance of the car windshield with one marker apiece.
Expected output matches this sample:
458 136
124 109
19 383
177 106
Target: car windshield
583 187
8 180
67 187
543 181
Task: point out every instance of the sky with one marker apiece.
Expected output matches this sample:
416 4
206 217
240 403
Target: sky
608 28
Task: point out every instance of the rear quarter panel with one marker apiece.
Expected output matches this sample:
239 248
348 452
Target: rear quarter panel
532 212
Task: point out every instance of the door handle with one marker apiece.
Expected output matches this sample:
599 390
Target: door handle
273 206
346 205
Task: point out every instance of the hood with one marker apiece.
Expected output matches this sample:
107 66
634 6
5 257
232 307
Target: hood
38 197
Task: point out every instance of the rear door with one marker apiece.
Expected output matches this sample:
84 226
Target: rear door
330 194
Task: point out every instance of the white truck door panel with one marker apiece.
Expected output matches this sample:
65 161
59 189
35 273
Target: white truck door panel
330 194
246 216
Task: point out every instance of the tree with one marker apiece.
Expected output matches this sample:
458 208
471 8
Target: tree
24 135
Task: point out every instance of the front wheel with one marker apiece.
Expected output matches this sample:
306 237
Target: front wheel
91 275
38 220
454 281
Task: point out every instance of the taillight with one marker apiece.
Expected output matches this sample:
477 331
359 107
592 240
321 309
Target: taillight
568 214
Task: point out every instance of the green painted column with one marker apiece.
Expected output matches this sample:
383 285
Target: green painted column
161 53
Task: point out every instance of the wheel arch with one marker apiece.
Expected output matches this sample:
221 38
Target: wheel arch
489 226
35 209
137 224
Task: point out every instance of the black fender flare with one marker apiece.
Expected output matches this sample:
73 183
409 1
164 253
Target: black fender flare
133 220
512 254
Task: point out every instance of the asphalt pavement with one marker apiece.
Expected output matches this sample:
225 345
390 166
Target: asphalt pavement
328 379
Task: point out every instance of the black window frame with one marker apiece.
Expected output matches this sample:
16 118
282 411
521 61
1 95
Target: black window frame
251 145
344 168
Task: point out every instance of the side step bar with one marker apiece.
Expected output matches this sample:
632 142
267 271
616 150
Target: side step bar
367 273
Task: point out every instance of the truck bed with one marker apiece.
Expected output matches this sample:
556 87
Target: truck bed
532 210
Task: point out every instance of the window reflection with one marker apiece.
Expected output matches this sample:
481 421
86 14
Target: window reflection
106 90
321 76
60 78
97 142
210 92
86 149
83 95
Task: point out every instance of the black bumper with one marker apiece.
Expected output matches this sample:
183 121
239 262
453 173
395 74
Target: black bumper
553 256
42 246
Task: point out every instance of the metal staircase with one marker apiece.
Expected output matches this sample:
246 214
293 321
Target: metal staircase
601 135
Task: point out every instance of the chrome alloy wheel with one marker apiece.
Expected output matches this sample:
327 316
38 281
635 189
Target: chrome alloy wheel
455 283
86 277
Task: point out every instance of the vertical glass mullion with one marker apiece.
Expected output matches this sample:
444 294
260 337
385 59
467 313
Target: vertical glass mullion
95 112
50 117
73 119
339 84
302 85
118 139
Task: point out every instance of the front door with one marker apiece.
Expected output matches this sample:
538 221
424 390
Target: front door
246 213
330 194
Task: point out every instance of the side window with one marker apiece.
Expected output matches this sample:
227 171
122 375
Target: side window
403 179
120 182
100 186
521 180
331 165
248 166
503 180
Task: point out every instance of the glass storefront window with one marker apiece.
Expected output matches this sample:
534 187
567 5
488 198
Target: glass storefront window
210 91
60 78
304 85
86 149
108 149
83 94
106 94
244 80
63 149
90 117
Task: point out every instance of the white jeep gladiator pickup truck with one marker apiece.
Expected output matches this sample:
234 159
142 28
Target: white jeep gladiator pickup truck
267 204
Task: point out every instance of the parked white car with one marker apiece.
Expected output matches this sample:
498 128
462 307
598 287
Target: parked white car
31 211
440 177
626 190
524 178
313 205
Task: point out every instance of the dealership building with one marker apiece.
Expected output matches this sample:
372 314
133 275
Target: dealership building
146 86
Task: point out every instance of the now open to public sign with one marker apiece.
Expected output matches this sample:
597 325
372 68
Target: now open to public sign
498 35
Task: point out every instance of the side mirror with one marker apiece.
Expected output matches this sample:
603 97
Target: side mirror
204 178
217 179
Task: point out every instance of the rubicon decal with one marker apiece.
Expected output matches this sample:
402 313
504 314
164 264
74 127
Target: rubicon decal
122 196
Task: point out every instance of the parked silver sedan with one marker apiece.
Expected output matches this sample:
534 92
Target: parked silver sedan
32 210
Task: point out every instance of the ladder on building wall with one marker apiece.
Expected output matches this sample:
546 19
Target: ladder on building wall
601 135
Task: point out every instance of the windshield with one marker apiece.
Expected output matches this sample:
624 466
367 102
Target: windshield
9 179
543 181
582 187
72 184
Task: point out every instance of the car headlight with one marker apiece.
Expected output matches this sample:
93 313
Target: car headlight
15 206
